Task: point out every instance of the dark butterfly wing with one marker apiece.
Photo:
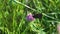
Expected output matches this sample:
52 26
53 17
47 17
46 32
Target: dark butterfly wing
37 16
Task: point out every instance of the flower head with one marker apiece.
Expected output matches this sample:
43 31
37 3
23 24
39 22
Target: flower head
30 17
58 28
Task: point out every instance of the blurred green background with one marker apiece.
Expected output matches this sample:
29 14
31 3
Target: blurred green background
13 16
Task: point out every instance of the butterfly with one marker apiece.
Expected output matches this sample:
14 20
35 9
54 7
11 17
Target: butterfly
38 15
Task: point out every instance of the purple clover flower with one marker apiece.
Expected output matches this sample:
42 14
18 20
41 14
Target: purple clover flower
30 17
58 28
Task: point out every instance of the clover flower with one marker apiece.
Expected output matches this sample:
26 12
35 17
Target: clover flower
58 28
30 17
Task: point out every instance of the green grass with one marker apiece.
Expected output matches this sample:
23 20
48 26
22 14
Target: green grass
13 16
